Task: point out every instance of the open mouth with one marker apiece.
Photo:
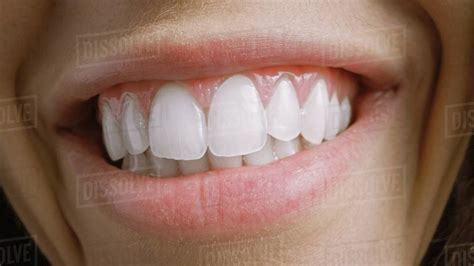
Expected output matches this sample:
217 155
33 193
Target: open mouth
231 148
169 129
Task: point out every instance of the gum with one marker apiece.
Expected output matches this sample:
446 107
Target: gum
302 78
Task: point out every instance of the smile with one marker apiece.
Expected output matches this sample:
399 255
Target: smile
216 150
181 128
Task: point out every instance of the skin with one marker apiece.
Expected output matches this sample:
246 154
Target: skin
438 53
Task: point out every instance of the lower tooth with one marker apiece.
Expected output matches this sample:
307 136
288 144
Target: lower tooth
136 163
162 167
264 156
194 166
286 148
306 145
218 162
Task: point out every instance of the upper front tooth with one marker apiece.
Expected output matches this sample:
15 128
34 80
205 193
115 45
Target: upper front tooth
236 124
134 127
283 112
177 126
314 113
112 134
333 118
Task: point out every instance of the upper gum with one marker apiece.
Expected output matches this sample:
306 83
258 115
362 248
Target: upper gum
264 79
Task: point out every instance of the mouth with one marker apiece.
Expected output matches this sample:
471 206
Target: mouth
181 128
219 151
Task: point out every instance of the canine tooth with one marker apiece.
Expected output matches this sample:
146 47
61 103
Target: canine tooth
136 163
314 113
333 118
236 122
283 112
263 156
284 149
160 166
346 113
112 134
218 162
177 125
134 127
194 166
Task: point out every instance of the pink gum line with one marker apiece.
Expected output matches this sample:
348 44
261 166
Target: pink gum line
303 78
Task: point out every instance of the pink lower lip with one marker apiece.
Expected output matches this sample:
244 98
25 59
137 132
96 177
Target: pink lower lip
218 202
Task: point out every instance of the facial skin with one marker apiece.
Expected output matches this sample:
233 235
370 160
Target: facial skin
433 70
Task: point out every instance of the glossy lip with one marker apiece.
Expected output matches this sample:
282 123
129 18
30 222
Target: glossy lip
216 202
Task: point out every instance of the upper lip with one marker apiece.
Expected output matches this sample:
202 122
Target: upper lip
168 60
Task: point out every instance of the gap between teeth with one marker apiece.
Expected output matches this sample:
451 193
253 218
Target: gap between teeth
178 138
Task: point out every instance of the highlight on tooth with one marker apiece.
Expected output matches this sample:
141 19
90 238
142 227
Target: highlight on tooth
243 123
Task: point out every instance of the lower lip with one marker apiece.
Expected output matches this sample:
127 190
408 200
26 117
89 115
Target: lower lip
216 203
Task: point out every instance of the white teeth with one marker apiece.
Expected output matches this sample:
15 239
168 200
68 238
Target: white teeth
284 149
314 113
239 131
236 123
194 166
136 163
134 127
346 113
177 125
162 167
264 156
112 134
333 118
283 112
